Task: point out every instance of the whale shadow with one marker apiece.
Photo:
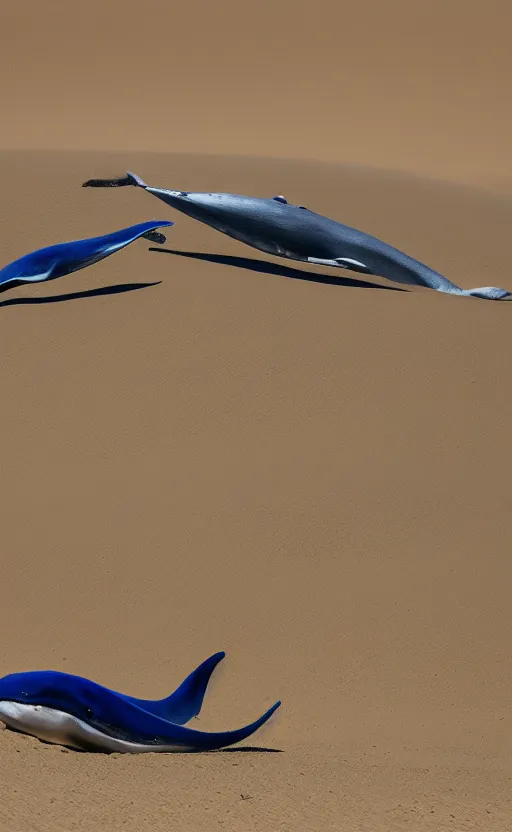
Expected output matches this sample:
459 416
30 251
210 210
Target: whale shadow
244 749
250 749
118 289
254 264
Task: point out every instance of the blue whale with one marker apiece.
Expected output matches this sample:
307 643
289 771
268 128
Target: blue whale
61 259
72 711
292 231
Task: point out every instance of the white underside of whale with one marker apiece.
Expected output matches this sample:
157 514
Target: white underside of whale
51 725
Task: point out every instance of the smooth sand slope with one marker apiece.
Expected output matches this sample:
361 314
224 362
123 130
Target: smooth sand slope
415 85
314 477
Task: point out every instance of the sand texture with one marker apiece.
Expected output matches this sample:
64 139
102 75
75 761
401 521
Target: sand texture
206 448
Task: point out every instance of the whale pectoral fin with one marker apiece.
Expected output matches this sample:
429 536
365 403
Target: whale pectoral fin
341 262
352 265
186 701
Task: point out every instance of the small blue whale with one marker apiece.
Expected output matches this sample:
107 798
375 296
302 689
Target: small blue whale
72 711
61 259
292 231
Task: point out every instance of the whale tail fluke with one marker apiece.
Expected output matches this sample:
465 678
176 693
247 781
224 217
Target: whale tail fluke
488 293
117 182
205 741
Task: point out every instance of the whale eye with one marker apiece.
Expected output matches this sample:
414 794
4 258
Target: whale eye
88 711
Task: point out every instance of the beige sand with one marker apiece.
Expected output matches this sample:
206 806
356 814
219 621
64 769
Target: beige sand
313 477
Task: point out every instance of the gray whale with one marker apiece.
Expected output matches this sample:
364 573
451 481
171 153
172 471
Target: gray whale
296 233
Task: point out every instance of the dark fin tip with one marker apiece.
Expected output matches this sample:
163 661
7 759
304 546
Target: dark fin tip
155 237
120 182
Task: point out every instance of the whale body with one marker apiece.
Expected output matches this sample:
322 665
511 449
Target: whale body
73 711
63 258
277 227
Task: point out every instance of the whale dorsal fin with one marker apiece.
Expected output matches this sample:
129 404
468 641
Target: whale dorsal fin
186 701
280 198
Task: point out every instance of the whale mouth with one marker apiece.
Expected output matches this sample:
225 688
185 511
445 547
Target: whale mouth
55 725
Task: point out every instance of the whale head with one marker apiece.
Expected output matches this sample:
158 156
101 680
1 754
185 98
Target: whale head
52 689
57 708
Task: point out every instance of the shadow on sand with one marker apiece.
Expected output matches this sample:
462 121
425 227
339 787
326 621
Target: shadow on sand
267 267
87 293
250 749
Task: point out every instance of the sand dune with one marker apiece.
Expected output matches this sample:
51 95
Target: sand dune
207 448
312 477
